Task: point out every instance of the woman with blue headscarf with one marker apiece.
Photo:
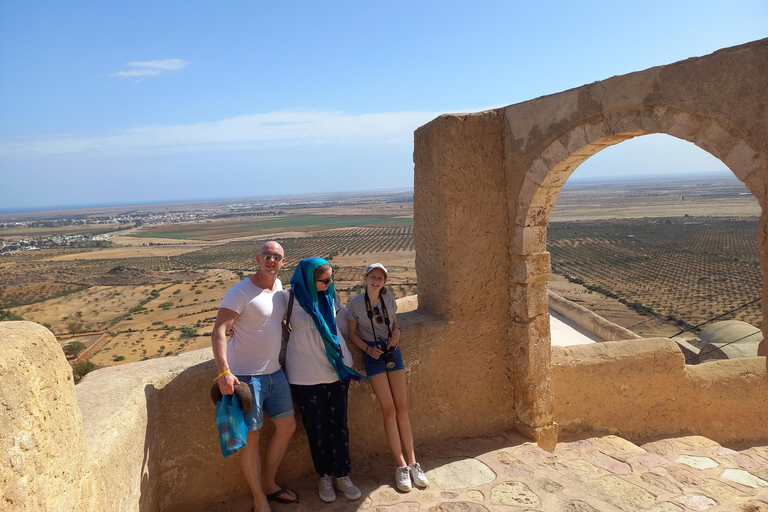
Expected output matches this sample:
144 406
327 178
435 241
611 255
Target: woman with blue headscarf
317 364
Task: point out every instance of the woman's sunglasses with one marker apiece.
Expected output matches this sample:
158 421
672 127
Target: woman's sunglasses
325 281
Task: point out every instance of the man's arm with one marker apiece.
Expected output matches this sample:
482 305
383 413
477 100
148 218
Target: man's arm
225 319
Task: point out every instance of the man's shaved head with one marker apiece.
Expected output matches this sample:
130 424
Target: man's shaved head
272 247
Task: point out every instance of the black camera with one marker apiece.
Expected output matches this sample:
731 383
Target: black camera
388 356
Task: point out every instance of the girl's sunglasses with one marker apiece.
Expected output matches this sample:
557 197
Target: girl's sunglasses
325 281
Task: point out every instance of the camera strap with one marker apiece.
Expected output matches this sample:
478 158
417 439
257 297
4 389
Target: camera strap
370 316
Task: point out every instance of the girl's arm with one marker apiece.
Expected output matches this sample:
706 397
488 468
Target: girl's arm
394 341
374 352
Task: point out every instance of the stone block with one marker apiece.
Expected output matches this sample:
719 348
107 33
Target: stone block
529 346
528 300
714 139
685 125
742 160
545 437
528 239
529 268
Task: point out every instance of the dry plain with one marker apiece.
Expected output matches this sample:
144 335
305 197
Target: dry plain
155 297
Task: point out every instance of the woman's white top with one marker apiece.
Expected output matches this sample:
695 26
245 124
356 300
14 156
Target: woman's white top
306 362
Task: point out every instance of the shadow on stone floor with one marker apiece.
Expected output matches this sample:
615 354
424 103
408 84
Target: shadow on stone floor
588 472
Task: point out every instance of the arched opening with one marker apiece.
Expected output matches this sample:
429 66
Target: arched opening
658 237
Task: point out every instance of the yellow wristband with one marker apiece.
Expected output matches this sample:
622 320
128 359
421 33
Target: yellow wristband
223 373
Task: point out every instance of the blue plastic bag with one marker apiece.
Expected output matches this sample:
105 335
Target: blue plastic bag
231 423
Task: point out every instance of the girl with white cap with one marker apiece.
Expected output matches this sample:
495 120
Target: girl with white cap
373 328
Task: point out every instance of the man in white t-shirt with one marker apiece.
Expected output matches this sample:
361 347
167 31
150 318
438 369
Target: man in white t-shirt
254 308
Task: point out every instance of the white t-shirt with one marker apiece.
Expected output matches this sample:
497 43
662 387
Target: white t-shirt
306 362
255 347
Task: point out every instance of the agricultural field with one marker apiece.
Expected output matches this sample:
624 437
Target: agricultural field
153 291
210 230
687 269
161 305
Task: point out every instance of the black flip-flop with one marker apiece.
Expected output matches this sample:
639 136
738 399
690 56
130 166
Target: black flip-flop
275 496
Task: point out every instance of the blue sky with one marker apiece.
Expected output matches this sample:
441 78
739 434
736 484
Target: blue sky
135 102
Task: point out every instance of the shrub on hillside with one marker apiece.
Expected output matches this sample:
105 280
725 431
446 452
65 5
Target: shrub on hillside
73 348
81 369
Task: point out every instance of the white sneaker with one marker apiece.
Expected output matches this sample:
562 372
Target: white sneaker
350 490
418 476
325 489
403 478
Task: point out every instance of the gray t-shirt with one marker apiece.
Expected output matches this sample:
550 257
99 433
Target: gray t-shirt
359 313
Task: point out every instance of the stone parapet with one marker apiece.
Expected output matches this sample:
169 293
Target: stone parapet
642 388
44 461
594 323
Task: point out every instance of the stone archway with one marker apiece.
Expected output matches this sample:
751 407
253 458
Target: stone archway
485 185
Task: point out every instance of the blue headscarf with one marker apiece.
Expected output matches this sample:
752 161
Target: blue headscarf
320 306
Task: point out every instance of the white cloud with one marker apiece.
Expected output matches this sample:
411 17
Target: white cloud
272 128
152 68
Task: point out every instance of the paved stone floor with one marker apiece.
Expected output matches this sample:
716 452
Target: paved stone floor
602 473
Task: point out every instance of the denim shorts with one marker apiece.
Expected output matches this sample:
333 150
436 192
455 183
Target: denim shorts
271 395
374 367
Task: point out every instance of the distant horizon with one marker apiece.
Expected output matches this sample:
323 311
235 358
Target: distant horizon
573 180
217 101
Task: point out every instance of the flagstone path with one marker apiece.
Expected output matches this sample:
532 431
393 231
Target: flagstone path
603 473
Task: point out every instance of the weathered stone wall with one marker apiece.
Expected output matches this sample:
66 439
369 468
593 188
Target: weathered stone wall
478 184
44 464
642 388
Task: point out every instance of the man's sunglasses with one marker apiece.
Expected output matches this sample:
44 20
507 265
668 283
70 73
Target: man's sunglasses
266 256
325 281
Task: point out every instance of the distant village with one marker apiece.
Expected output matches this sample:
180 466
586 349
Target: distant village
105 224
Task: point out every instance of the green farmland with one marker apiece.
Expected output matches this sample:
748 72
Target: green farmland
262 226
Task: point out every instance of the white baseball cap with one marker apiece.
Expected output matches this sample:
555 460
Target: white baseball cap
375 265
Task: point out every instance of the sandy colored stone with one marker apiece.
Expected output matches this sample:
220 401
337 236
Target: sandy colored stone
609 463
621 443
549 486
722 493
578 506
687 476
476 495
743 477
651 460
399 507
694 442
662 447
459 506
697 502
755 506
460 474
661 482
517 470
748 463
508 165
44 463
619 493
665 507
696 462
387 495
580 468
514 494
531 454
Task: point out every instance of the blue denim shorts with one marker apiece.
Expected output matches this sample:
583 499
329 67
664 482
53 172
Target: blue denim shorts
373 367
271 395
